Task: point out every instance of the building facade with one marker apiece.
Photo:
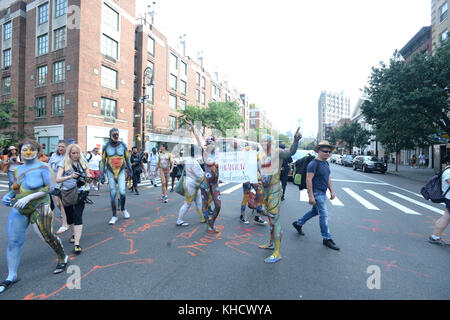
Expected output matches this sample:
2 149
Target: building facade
332 107
440 22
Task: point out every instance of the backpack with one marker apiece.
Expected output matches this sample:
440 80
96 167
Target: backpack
299 172
432 190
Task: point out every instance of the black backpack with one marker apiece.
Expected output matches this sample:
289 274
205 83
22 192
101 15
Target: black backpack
432 190
299 173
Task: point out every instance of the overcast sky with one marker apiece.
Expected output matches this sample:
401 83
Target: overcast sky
283 53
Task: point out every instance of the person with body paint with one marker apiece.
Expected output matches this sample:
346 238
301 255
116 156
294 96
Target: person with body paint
270 161
209 186
194 175
30 202
165 167
115 163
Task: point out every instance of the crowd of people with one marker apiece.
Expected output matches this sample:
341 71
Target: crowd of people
40 184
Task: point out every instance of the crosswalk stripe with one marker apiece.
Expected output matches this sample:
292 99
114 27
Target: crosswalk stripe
392 203
230 190
363 201
335 201
418 203
223 184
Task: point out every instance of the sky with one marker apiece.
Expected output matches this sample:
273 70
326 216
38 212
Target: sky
283 53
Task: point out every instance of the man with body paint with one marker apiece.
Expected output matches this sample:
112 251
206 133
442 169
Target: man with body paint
115 161
270 161
30 202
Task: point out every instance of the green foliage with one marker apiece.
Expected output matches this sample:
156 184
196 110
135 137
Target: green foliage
409 102
350 133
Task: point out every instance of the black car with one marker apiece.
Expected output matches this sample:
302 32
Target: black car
347 160
369 164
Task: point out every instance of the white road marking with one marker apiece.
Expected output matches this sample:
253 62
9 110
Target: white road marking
392 203
363 201
418 203
335 201
230 190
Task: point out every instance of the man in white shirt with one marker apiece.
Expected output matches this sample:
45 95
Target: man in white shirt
94 166
422 160
442 223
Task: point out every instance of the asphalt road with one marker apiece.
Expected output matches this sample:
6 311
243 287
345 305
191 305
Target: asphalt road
377 220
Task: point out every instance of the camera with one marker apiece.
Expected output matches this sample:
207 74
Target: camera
81 180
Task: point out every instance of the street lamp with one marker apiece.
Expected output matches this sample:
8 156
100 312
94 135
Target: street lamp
147 80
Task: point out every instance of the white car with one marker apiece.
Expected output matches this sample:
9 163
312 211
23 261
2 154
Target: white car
337 158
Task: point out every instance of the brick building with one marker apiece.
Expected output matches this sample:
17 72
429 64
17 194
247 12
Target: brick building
78 66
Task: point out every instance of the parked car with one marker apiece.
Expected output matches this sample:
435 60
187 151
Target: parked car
347 160
369 164
336 158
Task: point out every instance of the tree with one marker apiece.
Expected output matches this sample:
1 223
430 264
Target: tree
9 124
352 134
220 116
409 102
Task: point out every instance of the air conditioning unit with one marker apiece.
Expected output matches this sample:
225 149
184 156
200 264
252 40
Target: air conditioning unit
111 59
109 119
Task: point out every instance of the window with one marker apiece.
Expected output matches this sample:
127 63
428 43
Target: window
173 102
184 68
59 73
197 79
110 47
173 62
183 87
42 76
149 120
443 12
151 46
172 123
43 13
7 30
60 8
219 92
58 104
173 81
41 107
60 38
6 58
443 37
109 77
197 95
203 98
203 83
182 104
214 90
110 18
6 85
42 44
109 107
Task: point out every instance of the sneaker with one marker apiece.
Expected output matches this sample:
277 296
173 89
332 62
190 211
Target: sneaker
171 190
438 241
330 244
259 220
162 197
61 267
166 199
137 192
77 249
126 215
113 220
72 239
182 224
282 198
298 228
242 219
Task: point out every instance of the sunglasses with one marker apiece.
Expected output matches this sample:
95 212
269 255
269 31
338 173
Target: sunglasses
325 151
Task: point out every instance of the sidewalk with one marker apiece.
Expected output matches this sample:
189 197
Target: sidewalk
420 175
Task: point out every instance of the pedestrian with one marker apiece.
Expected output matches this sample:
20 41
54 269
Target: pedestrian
194 175
12 161
136 165
269 162
56 158
30 203
153 159
145 165
442 223
209 186
318 181
285 167
165 163
177 169
422 160
43 158
73 173
94 159
413 161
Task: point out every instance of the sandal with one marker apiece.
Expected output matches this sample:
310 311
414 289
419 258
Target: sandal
60 267
62 229
7 284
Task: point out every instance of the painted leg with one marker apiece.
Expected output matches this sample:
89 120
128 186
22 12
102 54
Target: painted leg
16 228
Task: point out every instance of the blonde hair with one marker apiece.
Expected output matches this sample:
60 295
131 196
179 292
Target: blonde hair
68 162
